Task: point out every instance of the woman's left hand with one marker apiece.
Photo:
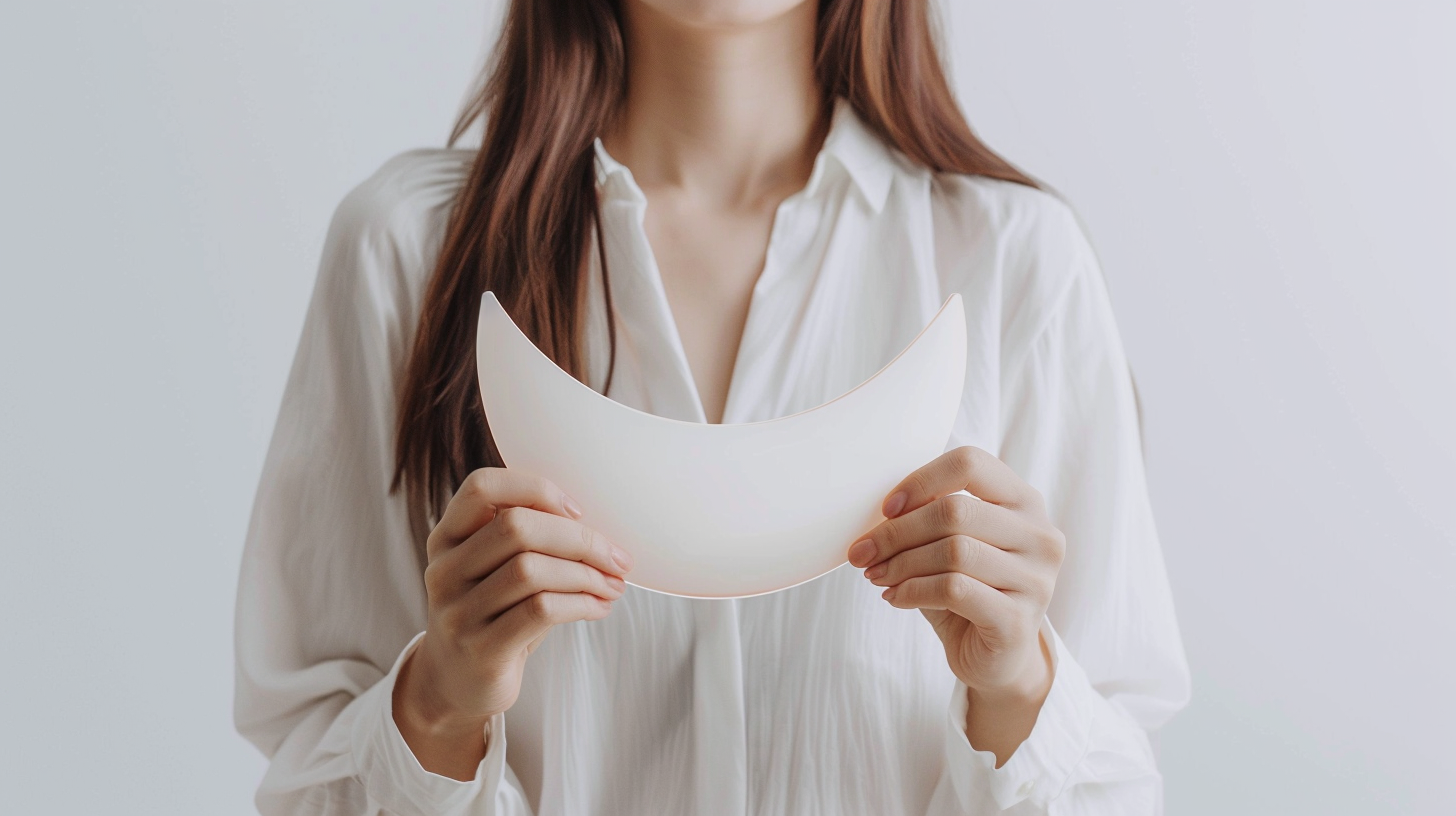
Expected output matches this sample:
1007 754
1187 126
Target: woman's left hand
981 570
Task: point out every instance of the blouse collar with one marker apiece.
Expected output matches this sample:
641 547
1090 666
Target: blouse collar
850 146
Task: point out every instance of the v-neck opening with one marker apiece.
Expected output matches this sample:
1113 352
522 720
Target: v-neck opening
736 372
664 304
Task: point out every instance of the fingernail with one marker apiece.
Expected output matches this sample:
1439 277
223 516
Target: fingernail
616 583
889 594
862 551
571 506
895 504
624 561
877 570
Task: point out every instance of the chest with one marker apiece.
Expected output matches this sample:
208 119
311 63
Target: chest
825 295
708 259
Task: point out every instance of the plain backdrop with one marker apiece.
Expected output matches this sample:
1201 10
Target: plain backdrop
1269 184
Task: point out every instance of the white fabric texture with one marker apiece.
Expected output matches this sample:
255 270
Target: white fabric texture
820 699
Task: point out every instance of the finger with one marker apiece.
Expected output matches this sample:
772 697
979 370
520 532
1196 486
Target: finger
484 493
527 573
958 553
955 592
519 529
963 468
533 617
956 514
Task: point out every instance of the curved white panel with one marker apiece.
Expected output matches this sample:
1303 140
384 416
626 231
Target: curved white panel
724 511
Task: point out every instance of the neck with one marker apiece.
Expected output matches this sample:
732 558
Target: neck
730 114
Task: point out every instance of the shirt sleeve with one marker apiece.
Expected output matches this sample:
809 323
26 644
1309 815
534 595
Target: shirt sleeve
1071 428
331 597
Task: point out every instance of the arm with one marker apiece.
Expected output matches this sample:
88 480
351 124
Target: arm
331 597
1079 668
1070 428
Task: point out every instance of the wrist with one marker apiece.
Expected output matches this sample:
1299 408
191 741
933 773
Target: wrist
1000 718
421 710
1028 687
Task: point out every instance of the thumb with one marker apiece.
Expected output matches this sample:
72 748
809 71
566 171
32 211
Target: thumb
948 626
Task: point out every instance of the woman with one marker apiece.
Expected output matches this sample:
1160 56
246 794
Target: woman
424 631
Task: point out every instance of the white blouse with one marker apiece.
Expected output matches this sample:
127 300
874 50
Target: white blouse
820 699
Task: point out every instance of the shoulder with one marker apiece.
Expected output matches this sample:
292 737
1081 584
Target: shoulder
1033 231
1023 243
386 232
381 247
402 202
1007 206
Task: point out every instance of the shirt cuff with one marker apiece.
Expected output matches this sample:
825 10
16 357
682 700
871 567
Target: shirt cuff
1042 765
395 778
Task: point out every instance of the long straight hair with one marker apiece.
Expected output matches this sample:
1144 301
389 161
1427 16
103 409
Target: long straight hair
521 223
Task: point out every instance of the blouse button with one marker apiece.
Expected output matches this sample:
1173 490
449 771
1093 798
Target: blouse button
1026 788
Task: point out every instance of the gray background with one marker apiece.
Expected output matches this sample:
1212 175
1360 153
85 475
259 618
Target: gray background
1269 185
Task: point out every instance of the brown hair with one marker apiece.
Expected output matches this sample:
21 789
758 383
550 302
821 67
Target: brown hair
521 222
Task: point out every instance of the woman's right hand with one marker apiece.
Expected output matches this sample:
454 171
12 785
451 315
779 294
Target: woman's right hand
507 561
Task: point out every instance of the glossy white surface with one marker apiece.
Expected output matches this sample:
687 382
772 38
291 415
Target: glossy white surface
722 511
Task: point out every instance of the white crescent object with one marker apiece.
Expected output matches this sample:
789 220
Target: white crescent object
724 511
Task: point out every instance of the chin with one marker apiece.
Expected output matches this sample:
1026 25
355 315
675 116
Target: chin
720 13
